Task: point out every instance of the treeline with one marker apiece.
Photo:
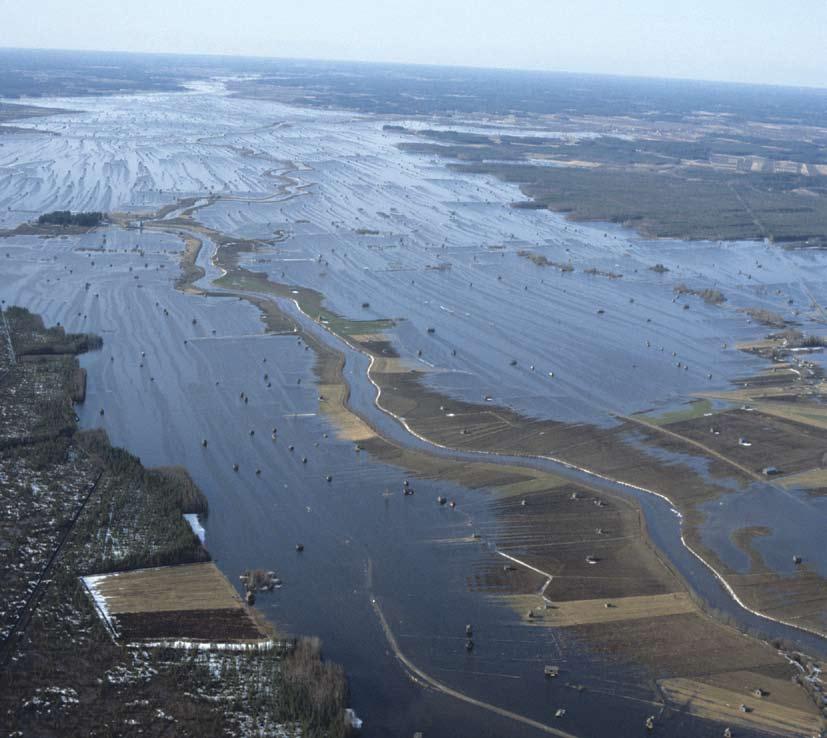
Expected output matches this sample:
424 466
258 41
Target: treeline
30 337
145 506
312 692
68 218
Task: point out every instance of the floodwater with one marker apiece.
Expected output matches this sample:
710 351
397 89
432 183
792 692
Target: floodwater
362 538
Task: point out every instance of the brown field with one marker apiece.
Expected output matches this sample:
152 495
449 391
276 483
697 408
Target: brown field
221 626
789 446
506 479
390 365
686 644
800 598
555 533
190 601
813 480
805 413
630 569
586 612
781 712
190 271
627 566
492 428
767 395
497 578
169 588
349 426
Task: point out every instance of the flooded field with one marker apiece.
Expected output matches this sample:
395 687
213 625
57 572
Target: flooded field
194 380
419 243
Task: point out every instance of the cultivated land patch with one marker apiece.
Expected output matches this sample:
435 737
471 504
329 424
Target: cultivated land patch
584 612
757 440
186 602
810 414
589 544
694 409
684 644
798 598
673 185
813 480
349 426
715 699
184 587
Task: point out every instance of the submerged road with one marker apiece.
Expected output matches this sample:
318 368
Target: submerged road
418 675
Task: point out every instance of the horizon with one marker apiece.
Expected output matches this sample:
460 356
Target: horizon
430 65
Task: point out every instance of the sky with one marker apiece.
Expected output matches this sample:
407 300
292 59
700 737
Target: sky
761 41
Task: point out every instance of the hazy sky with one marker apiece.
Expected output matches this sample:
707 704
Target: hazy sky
742 40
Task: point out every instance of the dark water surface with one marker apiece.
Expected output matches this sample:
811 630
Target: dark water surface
362 538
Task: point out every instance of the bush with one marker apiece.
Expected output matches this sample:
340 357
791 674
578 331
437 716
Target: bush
709 294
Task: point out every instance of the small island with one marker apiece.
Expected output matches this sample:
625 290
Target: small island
67 218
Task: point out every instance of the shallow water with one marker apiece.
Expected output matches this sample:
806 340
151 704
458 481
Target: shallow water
662 520
362 538
348 175
790 516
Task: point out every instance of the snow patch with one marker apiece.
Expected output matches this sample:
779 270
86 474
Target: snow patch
195 524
